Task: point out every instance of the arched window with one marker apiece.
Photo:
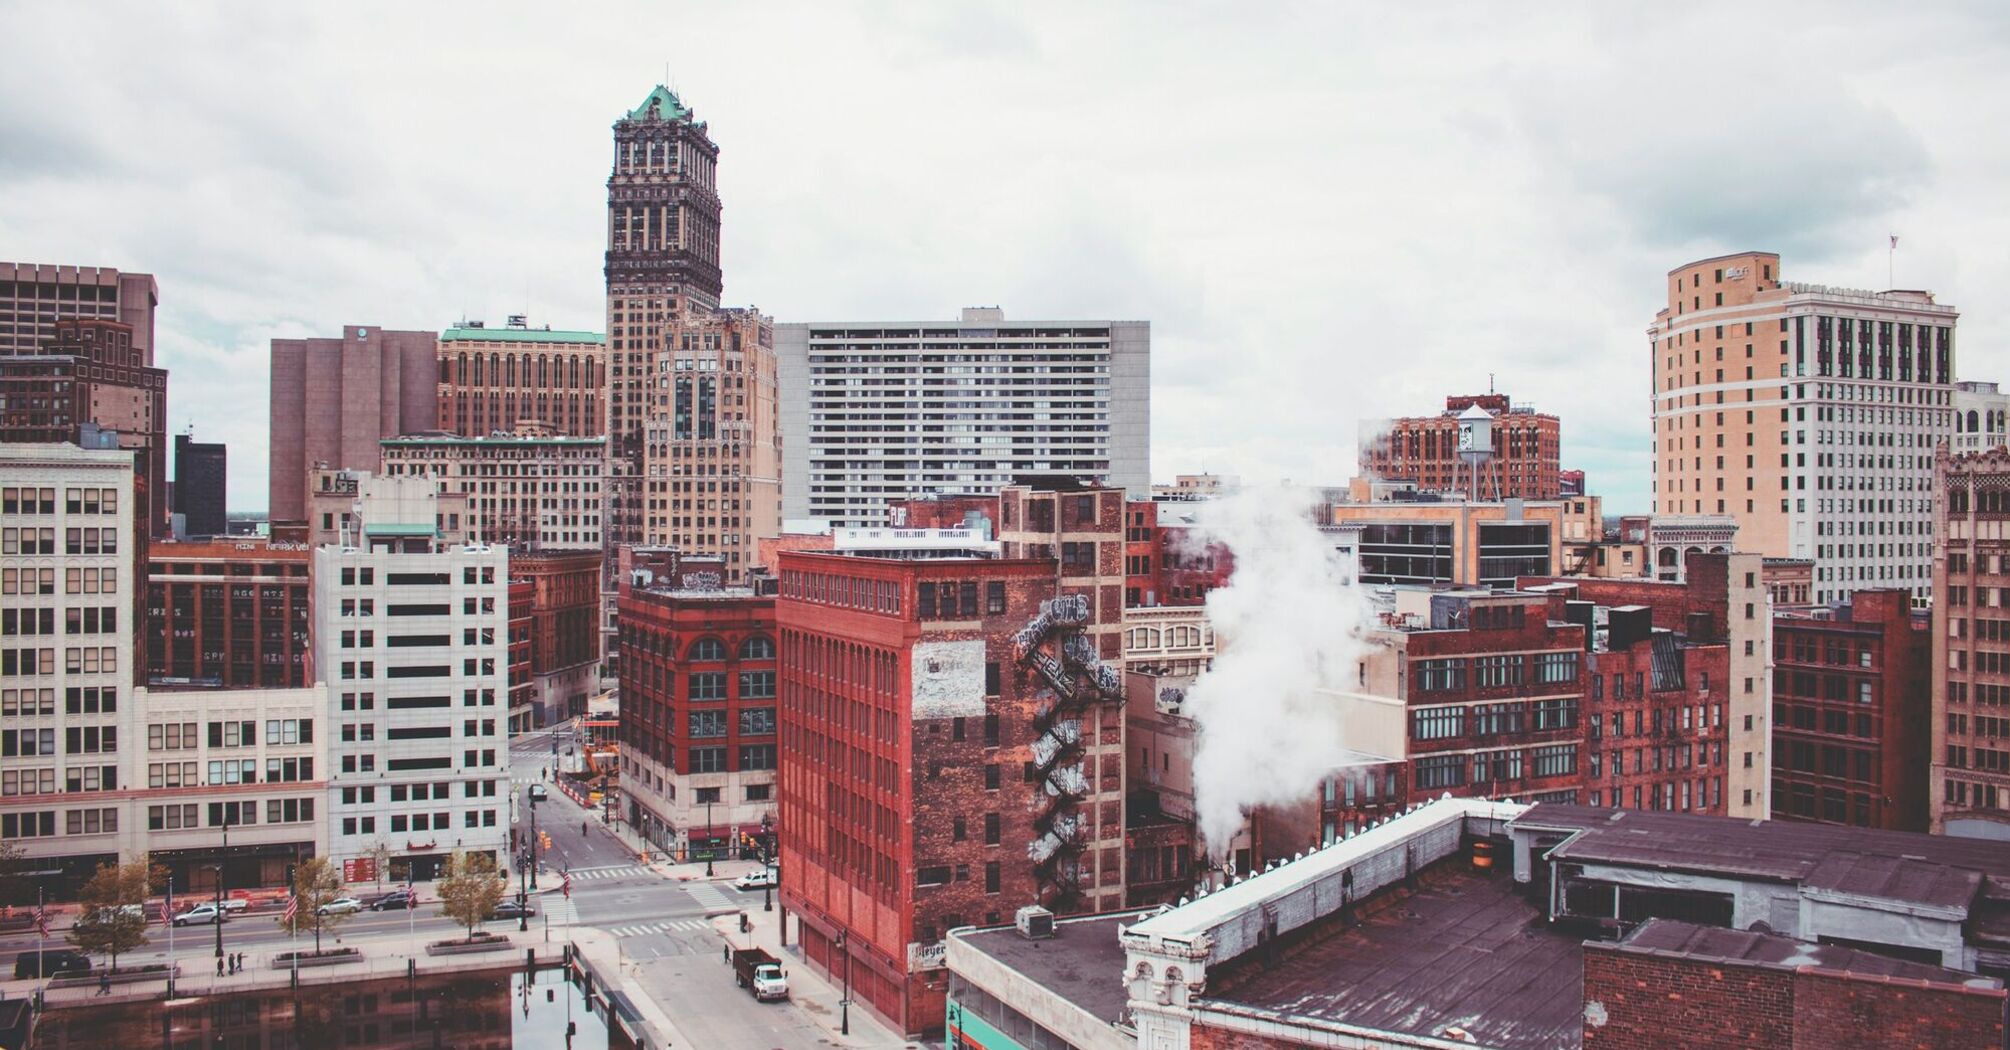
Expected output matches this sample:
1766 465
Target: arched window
1972 426
759 647
706 649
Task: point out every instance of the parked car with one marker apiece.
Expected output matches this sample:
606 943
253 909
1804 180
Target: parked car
51 963
233 905
394 900
513 910
202 914
757 879
341 906
136 910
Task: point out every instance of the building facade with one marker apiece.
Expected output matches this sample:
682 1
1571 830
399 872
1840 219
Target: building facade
1524 462
33 297
412 639
662 261
1970 790
200 486
698 715
495 379
529 489
1808 413
1426 542
89 375
333 400
1852 737
228 614
1981 417
711 456
874 412
564 603
938 723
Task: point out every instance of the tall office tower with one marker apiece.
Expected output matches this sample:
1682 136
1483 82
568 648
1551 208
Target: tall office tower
1970 790
34 297
199 486
1524 461
69 555
662 260
881 411
333 400
411 637
1808 413
90 376
492 379
712 459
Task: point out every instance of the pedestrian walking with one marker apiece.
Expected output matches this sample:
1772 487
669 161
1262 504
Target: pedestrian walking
219 966
105 983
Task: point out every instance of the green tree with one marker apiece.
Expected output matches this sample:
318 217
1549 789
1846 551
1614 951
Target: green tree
380 856
315 882
113 919
470 889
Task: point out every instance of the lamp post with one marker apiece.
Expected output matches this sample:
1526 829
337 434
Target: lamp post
218 917
844 1004
708 840
522 898
530 803
768 861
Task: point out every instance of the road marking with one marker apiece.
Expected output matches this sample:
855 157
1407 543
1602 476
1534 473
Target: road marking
710 896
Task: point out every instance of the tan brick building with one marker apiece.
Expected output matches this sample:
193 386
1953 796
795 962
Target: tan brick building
1527 446
334 399
492 379
529 489
1970 789
1808 413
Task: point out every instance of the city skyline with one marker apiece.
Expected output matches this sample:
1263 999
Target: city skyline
1031 177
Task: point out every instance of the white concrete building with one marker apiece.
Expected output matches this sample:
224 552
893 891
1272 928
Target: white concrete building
879 411
411 637
1981 417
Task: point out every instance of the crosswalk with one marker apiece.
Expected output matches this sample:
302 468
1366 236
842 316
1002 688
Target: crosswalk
669 926
711 897
616 871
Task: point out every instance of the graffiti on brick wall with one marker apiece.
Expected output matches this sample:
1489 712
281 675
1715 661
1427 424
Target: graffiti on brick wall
948 679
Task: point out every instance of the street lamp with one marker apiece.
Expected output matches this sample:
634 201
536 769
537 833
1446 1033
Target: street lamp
218 917
844 1004
531 804
522 901
709 840
768 861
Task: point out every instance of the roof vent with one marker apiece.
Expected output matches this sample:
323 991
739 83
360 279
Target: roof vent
1035 923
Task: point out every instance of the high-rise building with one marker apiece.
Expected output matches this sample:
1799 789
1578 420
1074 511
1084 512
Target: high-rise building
69 555
529 489
333 400
1981 417
879 411
662 260
951 752
1850 745
89 376
1808 413
411 637
1970 790
33 297
227 613
493 379
1524 460
712 459
200 485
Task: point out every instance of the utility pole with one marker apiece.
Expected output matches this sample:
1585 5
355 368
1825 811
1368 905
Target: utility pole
218 918
709 842
531 804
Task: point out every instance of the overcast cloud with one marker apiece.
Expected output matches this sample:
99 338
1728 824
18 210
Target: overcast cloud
1327 211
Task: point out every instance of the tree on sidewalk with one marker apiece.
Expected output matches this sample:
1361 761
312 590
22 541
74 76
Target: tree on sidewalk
315 883
470 889
113 915
380 858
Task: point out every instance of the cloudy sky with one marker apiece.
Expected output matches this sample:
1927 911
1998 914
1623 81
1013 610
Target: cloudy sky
1327 211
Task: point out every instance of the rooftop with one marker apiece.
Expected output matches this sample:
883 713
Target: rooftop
519 335
668 106
1461 950
489 439
1669 938
1082 963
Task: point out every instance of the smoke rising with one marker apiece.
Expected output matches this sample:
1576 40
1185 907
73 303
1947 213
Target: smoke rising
1289 622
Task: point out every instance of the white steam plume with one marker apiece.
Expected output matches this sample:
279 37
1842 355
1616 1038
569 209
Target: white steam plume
1288 623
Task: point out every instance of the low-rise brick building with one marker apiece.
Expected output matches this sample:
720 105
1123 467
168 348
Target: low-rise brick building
1852 734
228 614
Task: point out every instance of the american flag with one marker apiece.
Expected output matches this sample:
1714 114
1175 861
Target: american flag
565 884
42 920
411 896
292 909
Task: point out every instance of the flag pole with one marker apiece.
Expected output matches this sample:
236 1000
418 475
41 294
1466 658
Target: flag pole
167 916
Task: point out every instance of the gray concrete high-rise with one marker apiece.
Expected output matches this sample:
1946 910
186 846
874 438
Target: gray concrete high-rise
883 410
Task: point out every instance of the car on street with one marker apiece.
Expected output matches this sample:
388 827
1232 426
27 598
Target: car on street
513 910
51 963
538 793
200 915
394 900
757 879
341 906
233 905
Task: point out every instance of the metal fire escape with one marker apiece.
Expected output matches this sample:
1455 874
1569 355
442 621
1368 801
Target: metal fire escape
1053 646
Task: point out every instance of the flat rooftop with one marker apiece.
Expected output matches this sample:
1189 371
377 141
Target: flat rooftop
1461 950
1082 963
1681 940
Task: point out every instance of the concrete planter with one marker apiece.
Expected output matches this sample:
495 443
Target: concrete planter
153 972
328 957
480 944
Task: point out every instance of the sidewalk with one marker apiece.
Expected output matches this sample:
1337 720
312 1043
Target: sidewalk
809 992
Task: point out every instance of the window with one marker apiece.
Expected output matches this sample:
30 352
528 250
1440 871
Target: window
711 685
1497 671
757 721
757 756
932 875
1438 676
994 597
707 724
759 647
708 760
1439 771
756 685
991 829
991 876
706 795
1437 723
707 649
1556 667
991 777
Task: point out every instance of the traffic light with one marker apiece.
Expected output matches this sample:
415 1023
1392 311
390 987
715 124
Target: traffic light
544 840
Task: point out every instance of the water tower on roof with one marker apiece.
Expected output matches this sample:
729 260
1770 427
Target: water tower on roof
1476 446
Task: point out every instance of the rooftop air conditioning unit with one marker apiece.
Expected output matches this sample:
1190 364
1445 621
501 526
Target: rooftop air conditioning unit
1035 923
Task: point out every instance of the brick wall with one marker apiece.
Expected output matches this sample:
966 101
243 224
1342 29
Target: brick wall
1205 1038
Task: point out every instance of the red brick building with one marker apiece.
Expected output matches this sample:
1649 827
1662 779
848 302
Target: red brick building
1425 449
1852 724
227 613
951 750
698 714
565 629
92 372
1163 565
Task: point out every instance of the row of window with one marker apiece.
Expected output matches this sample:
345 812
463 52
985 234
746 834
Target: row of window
77 700
1448 674
26 500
